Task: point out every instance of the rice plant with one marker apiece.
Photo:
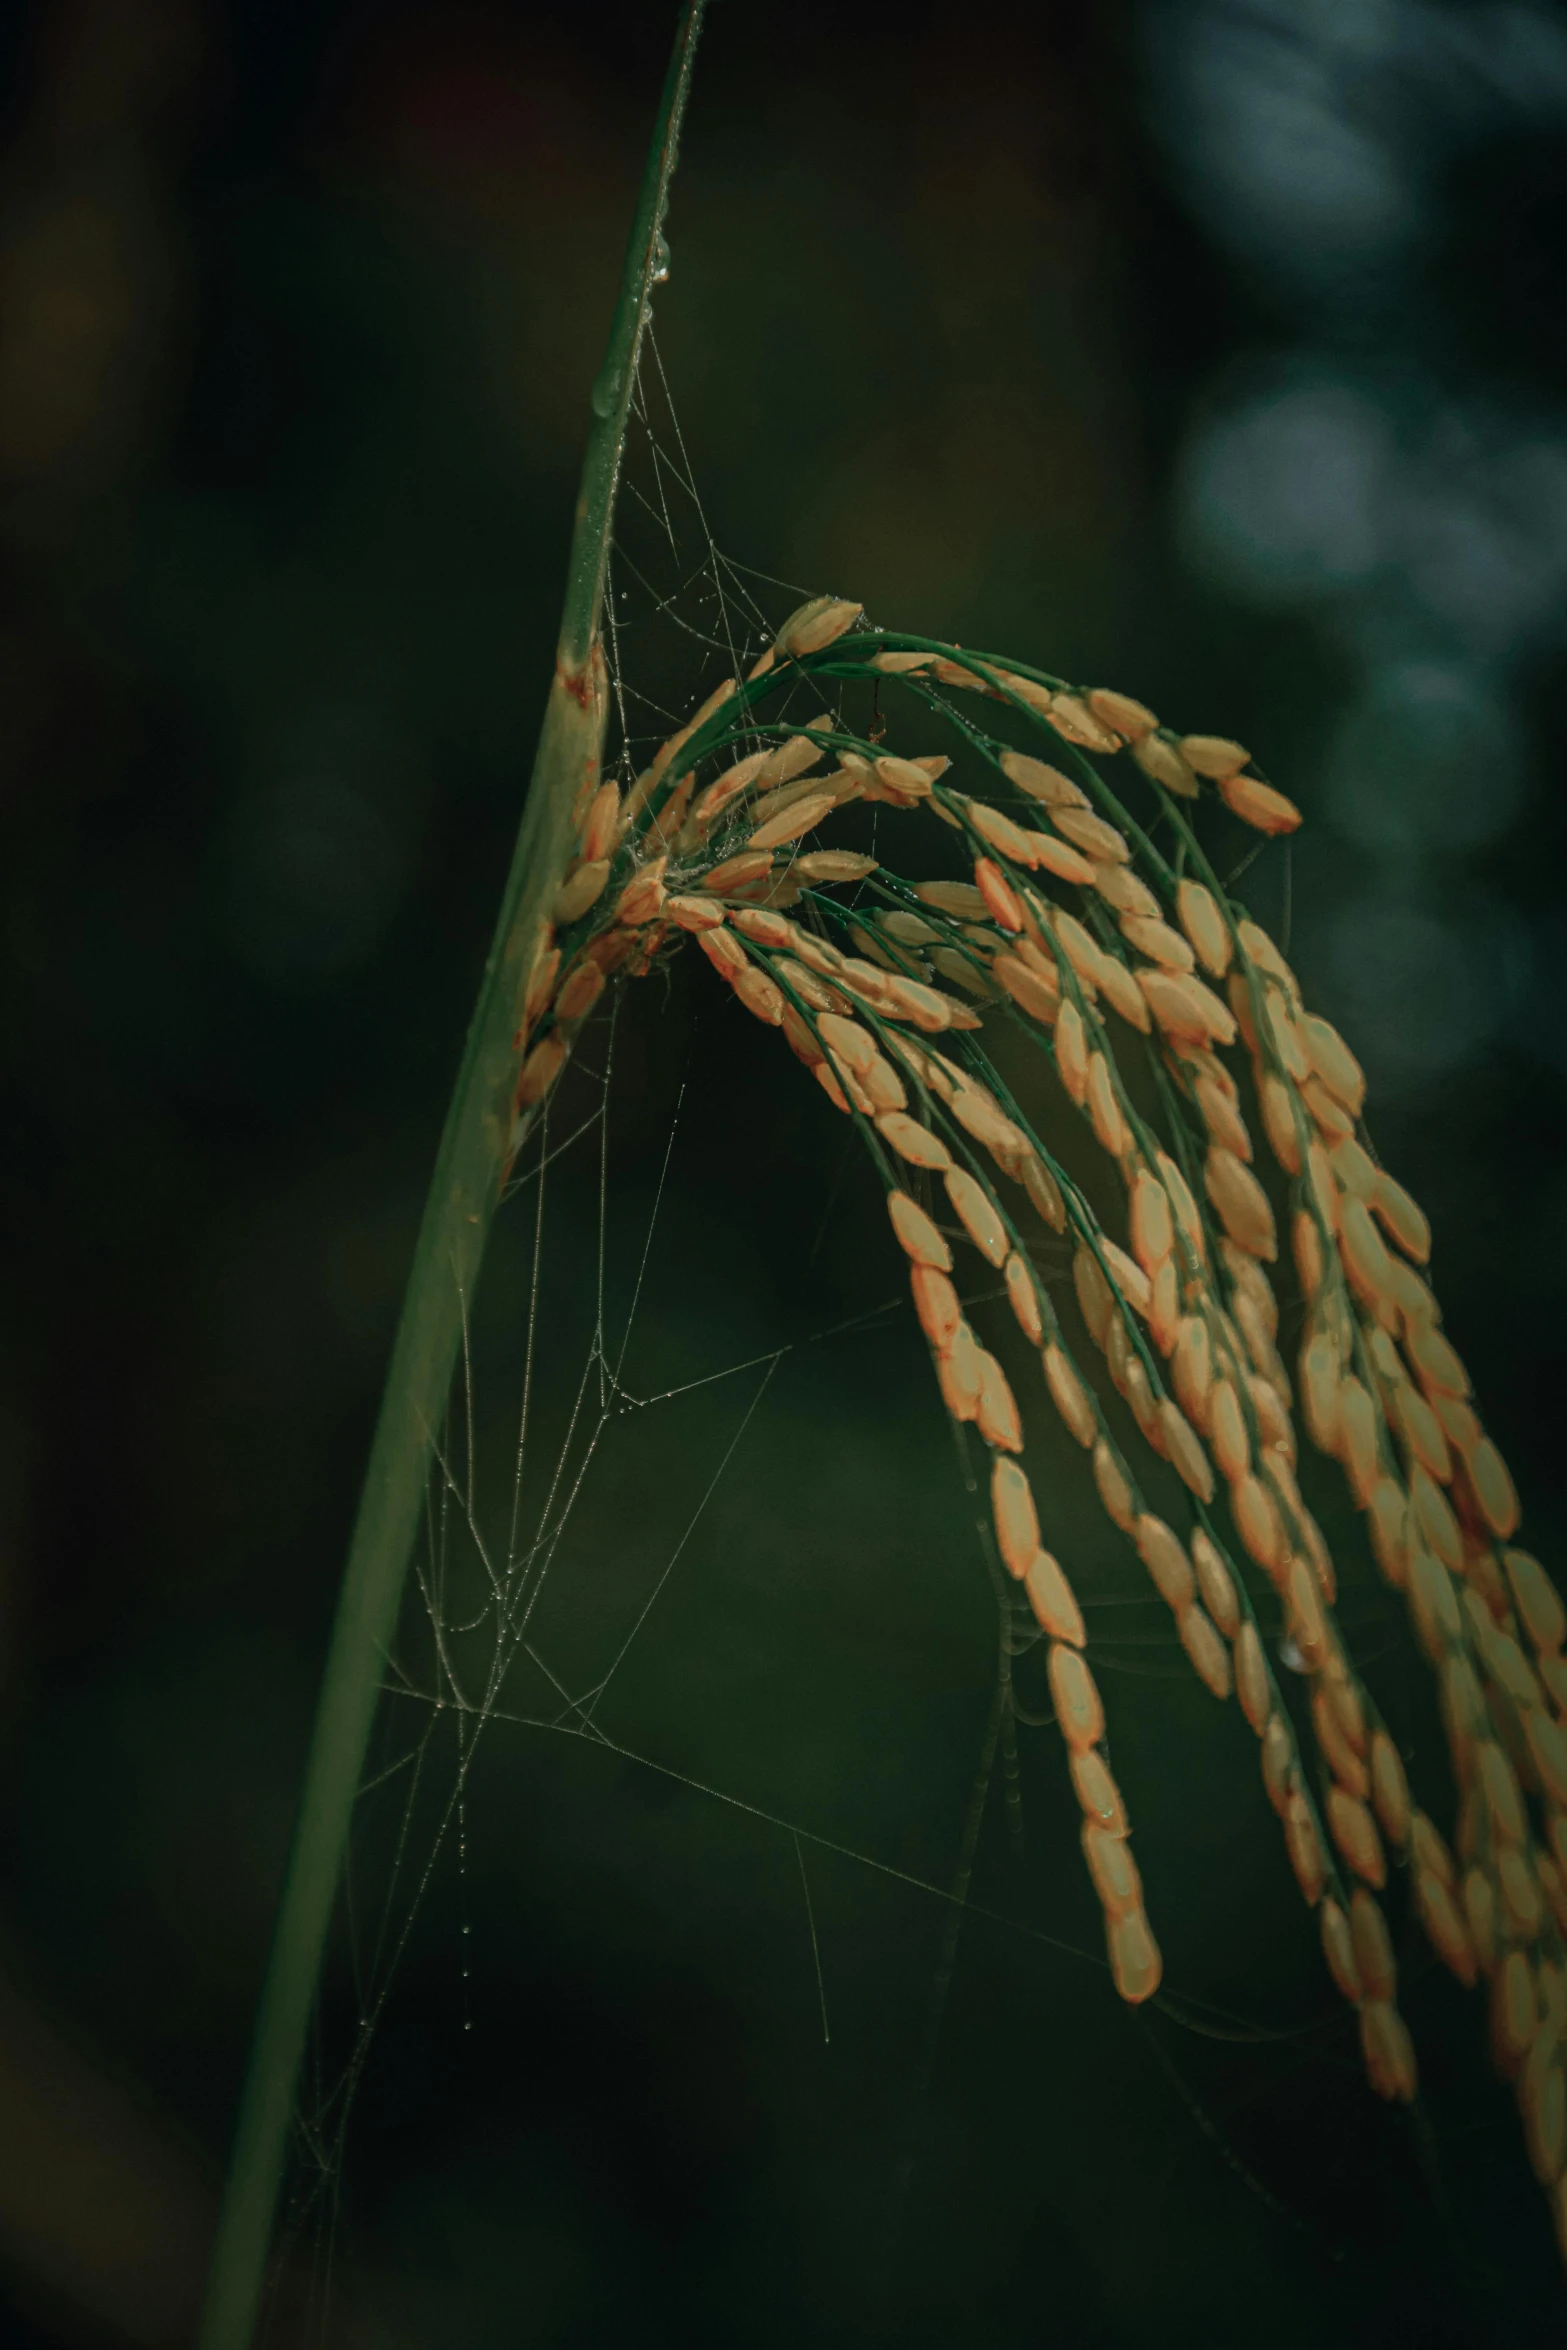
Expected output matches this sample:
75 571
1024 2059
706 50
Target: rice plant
1038 876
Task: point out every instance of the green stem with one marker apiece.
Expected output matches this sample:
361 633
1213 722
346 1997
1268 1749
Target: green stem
474 1151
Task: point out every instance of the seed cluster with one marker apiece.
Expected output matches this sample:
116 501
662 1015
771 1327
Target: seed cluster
1075 924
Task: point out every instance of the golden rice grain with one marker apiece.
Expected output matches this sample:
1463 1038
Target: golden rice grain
1072 718
1278 1120
1134 1958
1227 1432
1251 1678
728 786
912 1140
1160 760
1306 1243
1130 720
1044 1192
977 1213
1104 1110
1221 1115
1114 1487
790 758
904 779
1200 918
954 965
1164 1555
936 1303
1257 1522
1215 1584
1164 1305
1335 1064
581 991
996 1413
1028 989
1354 1832
1098 1795
1080 1715
1338 1948
1060 858
1072 1053
1357 1421
1052 1599
1445 1926
1127 1276
1000 898
1421 1430
1241 1202
1403 1218
1435 1518
1069 1396
1118 986
1389 1788
1494 1489
1192 1370
827 1079
1278 1762
901 664
1522 1906
541 1068
1213 755
1081 951
1043 783
760 996
1113 1870
1337 1753
917 1235
1157 941
1499 1786
1435 1361
1206 1650
1119 886
834 865
1319 1391
584 887
1093 835
960 899
1389 2052
884 1087
1387 1513
1304 1846
1094 1296
1373 1946
1183 1450
1024 1298
1259 805
1016 1519
1479 1907
960 1372
735 872
1537 1600
815 625
1512 2010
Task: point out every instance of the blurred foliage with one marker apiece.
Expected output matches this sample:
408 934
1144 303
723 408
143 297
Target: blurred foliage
1213 353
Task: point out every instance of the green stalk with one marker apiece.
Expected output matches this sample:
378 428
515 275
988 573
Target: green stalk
475 1147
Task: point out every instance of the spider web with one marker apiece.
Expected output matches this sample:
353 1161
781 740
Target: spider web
714 1770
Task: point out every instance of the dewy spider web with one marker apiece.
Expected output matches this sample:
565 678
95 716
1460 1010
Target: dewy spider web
692 1520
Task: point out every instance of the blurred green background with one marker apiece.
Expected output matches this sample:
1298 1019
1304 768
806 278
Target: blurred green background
1217 352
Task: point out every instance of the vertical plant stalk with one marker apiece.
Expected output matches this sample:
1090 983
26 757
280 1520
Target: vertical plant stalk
474 1150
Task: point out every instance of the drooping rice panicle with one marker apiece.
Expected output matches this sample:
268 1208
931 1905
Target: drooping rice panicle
1071 923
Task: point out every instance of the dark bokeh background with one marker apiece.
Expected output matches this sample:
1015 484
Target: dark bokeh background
1215 351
